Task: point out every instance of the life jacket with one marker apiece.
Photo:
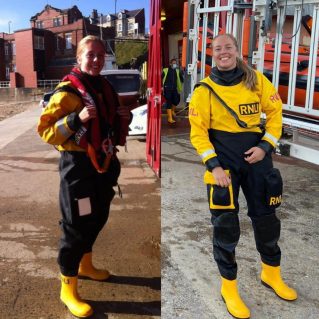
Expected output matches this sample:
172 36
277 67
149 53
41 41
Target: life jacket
99 135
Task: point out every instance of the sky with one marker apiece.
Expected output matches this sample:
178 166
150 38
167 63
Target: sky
16 14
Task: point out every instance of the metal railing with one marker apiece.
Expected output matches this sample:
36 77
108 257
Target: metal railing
48 83
309 79
292 82
4 84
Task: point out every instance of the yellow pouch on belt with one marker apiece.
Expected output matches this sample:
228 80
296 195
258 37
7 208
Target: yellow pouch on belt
219 197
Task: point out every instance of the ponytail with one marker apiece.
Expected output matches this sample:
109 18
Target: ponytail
250 78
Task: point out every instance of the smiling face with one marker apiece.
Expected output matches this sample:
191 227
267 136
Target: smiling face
225 53
91 58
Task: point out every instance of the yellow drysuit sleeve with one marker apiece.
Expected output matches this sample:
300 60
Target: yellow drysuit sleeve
53 123
199 118
272 107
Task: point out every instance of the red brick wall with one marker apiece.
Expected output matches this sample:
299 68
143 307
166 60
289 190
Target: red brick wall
25 59
46 16
49 13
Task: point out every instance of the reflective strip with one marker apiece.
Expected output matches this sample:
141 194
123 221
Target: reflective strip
61 126
206 153
271 137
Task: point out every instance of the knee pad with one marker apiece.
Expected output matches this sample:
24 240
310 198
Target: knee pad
226 228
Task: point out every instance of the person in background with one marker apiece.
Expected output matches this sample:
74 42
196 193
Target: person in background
85 122
226 132
172 78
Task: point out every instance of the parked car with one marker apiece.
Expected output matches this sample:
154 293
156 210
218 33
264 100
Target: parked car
138 125
127 84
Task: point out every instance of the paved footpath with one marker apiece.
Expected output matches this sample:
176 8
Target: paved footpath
190 279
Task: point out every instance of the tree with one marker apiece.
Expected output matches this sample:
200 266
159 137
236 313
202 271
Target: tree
130 54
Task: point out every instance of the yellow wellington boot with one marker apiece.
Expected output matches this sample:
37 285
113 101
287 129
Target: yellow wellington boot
271 278
170 116
87 269
231 297
69 296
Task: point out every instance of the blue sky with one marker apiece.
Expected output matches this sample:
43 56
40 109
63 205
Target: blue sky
19 12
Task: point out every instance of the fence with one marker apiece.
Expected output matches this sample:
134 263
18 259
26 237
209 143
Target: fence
4 84
48 84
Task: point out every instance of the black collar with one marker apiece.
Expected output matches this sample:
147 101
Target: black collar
226 78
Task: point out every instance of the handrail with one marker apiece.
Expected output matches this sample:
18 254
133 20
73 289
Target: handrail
4 84
48 83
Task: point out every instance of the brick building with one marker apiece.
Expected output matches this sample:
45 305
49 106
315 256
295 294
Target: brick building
7 55
126 23
47 49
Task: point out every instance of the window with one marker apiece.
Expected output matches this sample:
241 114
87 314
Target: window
57 22
68 41
13 46
131 26
38 42
14 68
119 27
108 18
120 15
39 24
6 49
7 72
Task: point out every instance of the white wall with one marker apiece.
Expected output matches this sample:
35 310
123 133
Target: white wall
172 45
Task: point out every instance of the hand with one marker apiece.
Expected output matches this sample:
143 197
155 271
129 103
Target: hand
254 155
87 113
221 178
123 112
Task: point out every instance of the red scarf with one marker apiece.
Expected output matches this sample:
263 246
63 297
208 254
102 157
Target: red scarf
96 135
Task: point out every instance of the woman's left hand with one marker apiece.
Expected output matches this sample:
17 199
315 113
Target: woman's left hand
124 112
254 155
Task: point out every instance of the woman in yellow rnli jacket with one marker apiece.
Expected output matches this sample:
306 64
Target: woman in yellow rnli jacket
237 153
84 120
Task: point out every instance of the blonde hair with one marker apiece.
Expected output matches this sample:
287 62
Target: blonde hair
250 77
82 44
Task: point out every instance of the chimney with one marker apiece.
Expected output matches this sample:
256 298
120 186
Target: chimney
94 14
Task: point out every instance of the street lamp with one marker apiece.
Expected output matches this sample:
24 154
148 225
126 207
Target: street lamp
9 23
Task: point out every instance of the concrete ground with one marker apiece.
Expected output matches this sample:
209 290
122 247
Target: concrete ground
129 245
190 278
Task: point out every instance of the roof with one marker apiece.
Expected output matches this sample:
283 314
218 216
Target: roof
128 13
113 17
49 7
133 13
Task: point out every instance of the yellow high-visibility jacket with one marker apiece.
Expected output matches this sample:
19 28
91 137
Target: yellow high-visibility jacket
53 123
206 112
179 85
